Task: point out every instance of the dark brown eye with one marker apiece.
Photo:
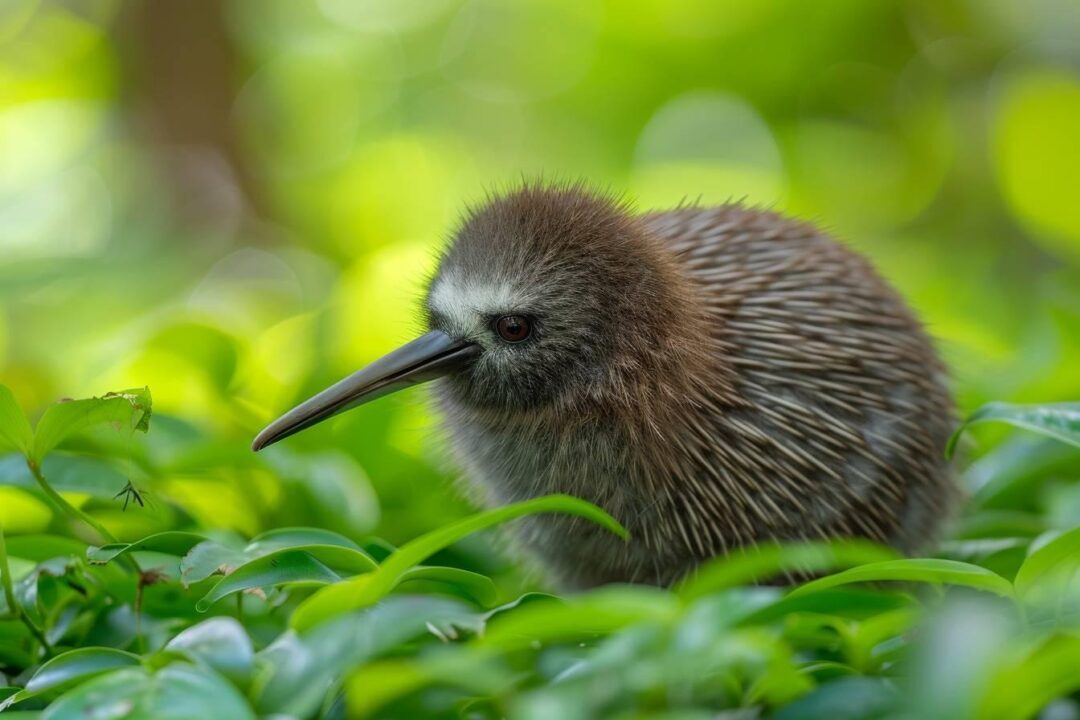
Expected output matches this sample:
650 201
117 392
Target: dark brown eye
513 328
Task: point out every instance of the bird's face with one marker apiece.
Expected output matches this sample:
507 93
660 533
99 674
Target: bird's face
537 330
540 297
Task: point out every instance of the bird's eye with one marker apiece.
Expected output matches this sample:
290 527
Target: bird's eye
513 328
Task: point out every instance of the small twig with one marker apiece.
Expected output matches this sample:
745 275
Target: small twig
138 613
36 632
145 579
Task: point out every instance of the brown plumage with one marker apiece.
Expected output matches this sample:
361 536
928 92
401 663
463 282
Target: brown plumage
712 377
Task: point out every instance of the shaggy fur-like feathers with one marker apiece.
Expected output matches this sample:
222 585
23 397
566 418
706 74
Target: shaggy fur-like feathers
712 377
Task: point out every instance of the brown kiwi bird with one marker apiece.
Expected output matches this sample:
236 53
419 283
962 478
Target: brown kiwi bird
713 377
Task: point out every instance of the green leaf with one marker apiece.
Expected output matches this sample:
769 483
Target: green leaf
827 670
1019 690
208 558
457 625
220 643
479 587
78 664
1057 420
289 566
334 486
713 615
13 635
69 669
468 669
296 671
368 589
1057 557
40 548
874 631
766 561
15 432
416 551
306 563
597 612
822 633
172 542
979 549
1007 478
991 524
847 602
914 570
9 603
294 537
848 698
66 473
177 692
126 409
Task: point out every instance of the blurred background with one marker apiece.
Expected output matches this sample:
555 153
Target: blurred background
236 202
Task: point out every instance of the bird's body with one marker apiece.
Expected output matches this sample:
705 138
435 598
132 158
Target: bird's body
712 377
782 391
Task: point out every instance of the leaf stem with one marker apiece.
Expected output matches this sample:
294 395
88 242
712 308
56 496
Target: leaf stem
64 506
12 603
68 509
139 586
37 633
5 576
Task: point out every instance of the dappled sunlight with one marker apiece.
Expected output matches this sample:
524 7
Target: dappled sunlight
228 206
707 148
522 51
20 513
402 189
379 302
861 179
1037 155
381 17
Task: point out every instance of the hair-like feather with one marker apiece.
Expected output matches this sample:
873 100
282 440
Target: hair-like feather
712 377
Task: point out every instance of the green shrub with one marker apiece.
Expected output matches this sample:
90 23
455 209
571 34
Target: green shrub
306 622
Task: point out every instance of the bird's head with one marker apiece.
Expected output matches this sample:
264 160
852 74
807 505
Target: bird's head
544 297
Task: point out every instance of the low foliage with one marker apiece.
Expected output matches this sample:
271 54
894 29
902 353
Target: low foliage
304 622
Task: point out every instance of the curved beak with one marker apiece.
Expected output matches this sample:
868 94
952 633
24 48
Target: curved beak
427 357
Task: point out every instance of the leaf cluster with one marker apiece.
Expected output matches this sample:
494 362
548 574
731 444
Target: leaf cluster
307 622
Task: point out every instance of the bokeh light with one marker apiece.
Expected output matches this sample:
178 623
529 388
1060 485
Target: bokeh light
707 148
242 255
1037 154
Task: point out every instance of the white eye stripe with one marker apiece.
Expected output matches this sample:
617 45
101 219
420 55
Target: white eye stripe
483 298
465 305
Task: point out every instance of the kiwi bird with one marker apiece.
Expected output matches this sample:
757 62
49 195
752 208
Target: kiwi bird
713 377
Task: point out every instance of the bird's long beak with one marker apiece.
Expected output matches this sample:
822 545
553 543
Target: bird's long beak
425 358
